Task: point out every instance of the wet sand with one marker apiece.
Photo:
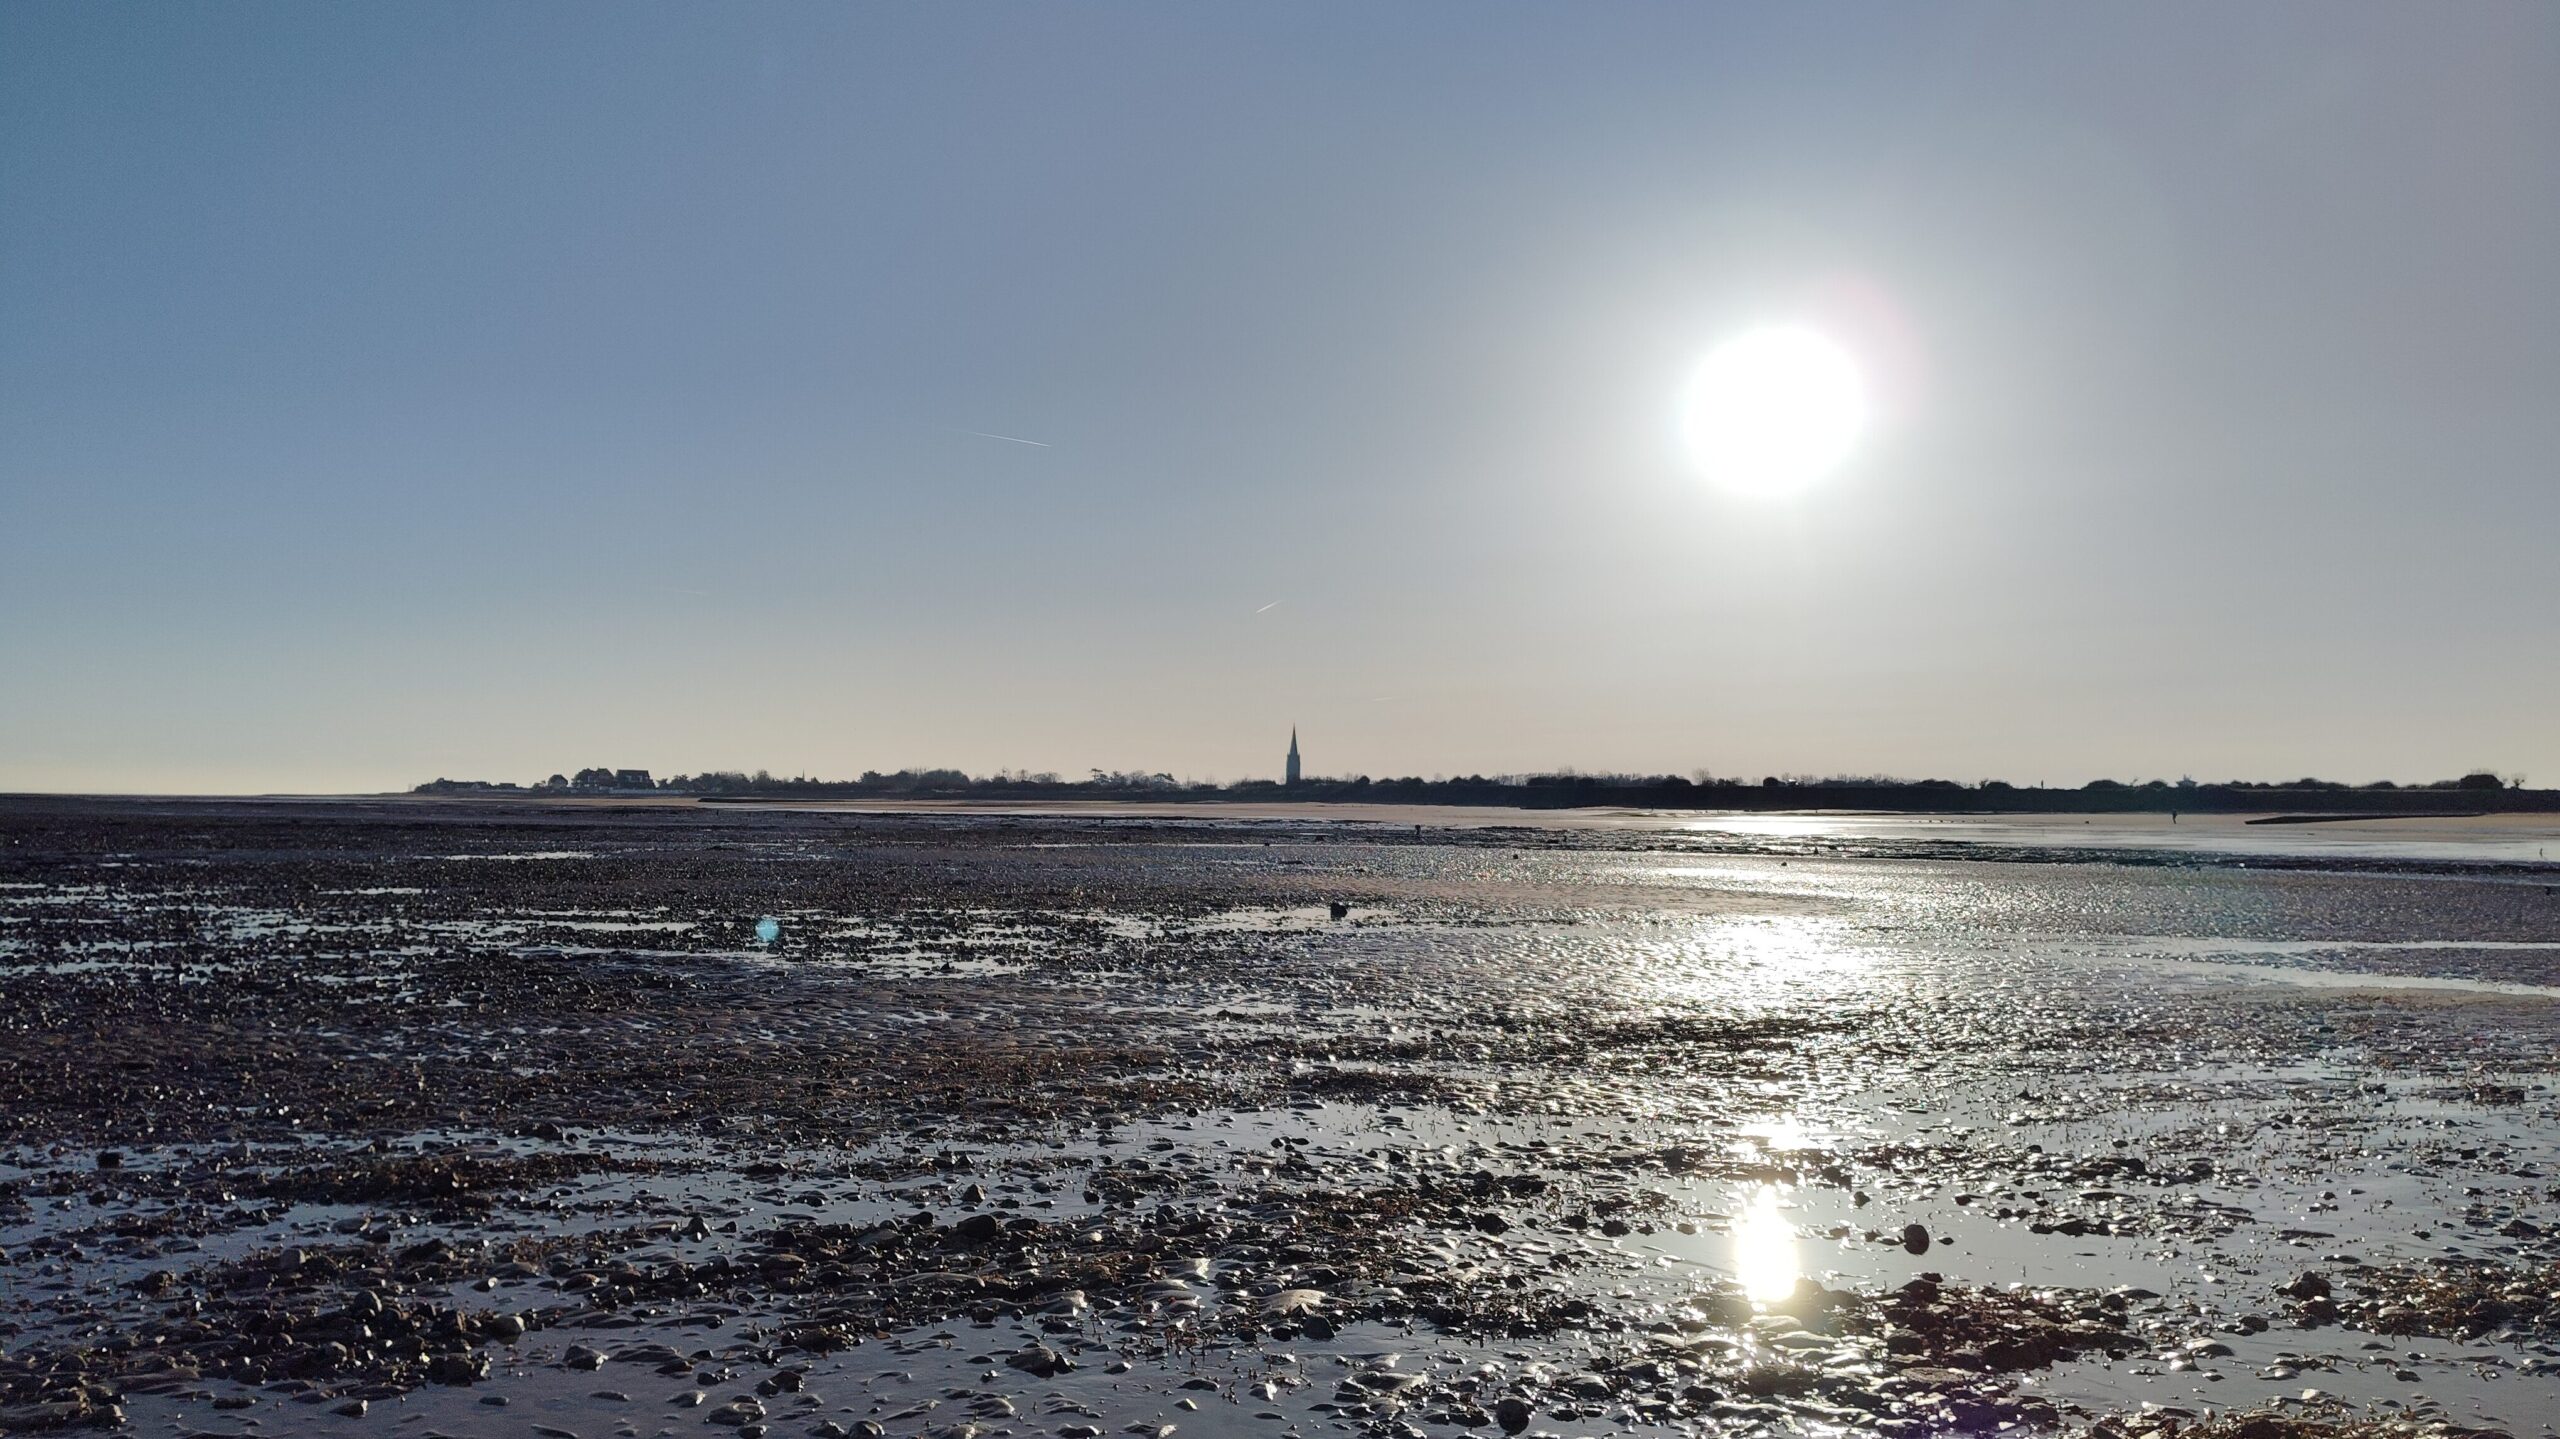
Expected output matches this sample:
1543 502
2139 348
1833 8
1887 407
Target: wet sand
495 1118
2460 837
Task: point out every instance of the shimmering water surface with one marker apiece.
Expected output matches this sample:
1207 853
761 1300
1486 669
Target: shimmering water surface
1764 1125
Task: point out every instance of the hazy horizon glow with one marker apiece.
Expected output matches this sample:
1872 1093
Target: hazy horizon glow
483 390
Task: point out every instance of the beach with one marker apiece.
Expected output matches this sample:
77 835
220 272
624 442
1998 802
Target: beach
494 1117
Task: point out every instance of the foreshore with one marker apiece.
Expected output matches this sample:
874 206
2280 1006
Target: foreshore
485 1115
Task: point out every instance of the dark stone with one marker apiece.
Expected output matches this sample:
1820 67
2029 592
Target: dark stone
2306 1286
1040 1361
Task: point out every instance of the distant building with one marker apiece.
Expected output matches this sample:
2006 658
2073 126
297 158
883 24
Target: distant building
632 779
610 780
1293 756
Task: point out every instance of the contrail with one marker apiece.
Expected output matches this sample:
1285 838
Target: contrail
1012 439
1275 604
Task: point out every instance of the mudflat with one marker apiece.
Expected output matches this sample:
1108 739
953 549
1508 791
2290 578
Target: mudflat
495 1118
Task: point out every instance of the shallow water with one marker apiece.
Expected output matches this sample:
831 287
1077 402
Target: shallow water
2478 839
2076 1069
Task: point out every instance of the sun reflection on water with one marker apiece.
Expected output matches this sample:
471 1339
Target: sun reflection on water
1776 1136
1753 966
1764 1250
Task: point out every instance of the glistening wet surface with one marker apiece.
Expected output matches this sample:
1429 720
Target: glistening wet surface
333 1118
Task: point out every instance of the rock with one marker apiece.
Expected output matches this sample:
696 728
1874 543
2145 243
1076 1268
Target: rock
1040 1361
458 1368
56 1414
1915 1238
582 1356
977 1228
2306 1285
1512 1414
1294 1303
1491 1223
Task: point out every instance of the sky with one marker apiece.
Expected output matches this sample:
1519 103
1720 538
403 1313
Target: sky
489 390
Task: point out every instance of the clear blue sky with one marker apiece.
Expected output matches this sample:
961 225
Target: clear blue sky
487 390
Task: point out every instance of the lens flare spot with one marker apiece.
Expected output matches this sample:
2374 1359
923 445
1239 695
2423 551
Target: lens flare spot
768 929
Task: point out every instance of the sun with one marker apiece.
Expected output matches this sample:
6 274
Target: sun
1772 410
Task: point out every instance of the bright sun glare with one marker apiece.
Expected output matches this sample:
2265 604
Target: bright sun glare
1773 410
1764 1250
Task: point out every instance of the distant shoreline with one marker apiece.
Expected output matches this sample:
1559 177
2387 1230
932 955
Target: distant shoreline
2478 792
2353 818
2250 805
2265 806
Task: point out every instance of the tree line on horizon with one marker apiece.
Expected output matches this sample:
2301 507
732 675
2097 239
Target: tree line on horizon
1562 789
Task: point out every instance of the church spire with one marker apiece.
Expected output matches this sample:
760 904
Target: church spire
1293 756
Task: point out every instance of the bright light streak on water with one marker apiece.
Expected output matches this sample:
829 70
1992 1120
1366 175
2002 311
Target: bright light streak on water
768 929
1764 1250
